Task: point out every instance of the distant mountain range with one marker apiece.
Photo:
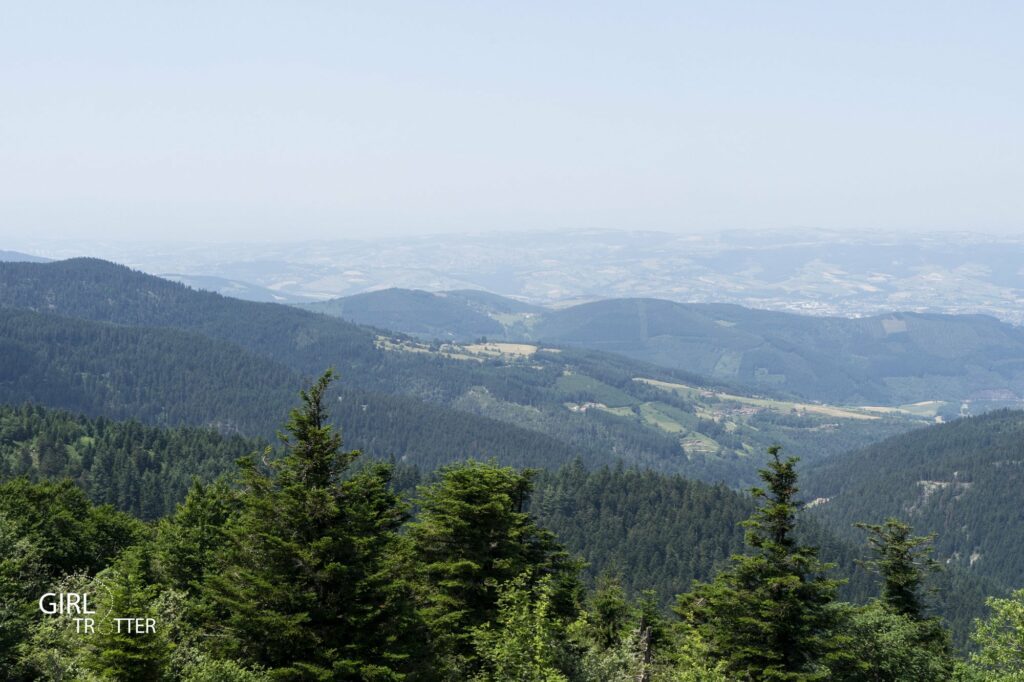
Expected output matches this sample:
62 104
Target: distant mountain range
102 339
805 271
18 257
234 288
950 362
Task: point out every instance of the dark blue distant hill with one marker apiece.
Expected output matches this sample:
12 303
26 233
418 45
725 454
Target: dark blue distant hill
18 257
449 316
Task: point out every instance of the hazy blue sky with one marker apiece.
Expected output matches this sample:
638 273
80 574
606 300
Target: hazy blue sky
317 119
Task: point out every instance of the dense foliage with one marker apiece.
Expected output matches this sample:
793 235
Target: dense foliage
306 565
656 531
139 469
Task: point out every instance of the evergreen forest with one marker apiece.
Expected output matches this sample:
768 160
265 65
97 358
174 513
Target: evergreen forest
304 560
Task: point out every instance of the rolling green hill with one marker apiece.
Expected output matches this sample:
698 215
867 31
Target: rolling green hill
961 480
888 360
900 359
461 316
413 312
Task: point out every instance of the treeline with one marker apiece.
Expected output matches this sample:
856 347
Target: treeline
654 531
146 470
143 470
309 566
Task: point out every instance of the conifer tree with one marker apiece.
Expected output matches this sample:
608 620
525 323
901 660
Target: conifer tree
903 562
770 615
304 586
608 613
473 535
186 543
893 638
121 651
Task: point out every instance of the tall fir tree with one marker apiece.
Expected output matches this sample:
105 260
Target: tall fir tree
892 638
770 615
304 584
123 650
903 562
473 535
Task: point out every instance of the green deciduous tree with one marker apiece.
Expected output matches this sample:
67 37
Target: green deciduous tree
19 580
888 646
1000 641
526 641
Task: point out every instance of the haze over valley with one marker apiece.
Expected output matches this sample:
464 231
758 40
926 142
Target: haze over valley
807 271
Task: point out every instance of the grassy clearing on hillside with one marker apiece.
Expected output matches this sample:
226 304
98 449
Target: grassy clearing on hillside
503 350
694 442
617 411
477 352
652 415
594 390
447 350
766 403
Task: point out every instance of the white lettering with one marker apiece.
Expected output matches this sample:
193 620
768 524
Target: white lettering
47 607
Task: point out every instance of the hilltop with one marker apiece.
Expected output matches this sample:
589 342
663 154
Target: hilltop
952 363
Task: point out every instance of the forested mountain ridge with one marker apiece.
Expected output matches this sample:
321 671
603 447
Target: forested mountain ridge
891 359
961 480
420 313
161 376
171 378
97 290
567 402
